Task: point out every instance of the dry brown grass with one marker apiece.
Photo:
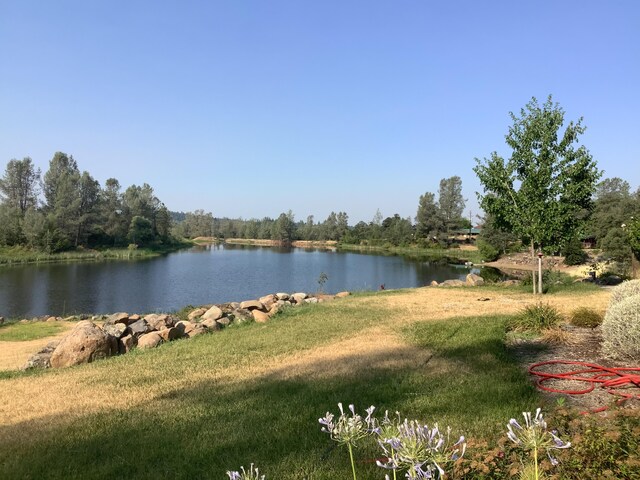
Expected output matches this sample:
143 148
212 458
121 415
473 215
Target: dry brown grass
59 396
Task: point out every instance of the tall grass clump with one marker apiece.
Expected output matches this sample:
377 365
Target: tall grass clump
621 329
624 290
535 318
585 317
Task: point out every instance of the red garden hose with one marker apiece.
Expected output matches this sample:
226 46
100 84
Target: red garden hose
609 378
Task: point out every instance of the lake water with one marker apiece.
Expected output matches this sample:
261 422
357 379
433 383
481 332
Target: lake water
201 275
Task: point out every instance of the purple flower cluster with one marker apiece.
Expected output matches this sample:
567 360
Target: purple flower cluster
421 450
535 436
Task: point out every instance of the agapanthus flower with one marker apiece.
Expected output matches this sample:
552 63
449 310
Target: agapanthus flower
251 474
348 429
535 436
419 449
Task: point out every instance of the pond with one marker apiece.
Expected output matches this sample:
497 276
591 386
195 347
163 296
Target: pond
203 275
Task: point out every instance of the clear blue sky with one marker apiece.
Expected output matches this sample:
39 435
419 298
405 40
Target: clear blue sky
250 108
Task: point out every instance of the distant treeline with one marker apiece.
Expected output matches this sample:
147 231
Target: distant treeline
66 208
435 223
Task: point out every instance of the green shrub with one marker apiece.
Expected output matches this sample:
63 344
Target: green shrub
488 252
624 290
535 318
585 317
573 253
621 329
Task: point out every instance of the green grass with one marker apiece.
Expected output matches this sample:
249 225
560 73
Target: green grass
450 254
17 255
22 332
203 428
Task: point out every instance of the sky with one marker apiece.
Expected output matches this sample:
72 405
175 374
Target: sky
249 108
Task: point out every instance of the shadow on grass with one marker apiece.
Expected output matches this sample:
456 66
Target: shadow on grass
467 380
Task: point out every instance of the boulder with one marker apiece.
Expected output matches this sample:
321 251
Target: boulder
298 297
126 344
282 296
42 358
267 301
311 300
342 294
85 343
211 324
121 317
251 305
241 314
159 321
1 320
139 328
433 283
170 334
185 327
474 280
71 319
197 313
116 330
260 317
452 283
214 313
52 319
134 318
226 321
198 330
149 340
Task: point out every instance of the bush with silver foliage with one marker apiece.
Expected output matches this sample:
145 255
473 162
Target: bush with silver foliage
624 290
621 329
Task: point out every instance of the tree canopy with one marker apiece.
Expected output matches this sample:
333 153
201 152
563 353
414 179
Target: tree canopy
543 191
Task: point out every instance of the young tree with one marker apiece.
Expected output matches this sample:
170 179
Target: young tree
450 202
542 191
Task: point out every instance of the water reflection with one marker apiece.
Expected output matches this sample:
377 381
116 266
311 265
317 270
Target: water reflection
204 274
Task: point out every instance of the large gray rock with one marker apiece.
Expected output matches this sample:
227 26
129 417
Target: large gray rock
241 315
474 280
85 343
214 313
282 296
149 340
116 330
42 358
139 328
120 317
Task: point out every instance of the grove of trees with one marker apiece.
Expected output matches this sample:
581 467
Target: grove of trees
66 208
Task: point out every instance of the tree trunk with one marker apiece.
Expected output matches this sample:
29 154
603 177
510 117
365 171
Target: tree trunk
533 272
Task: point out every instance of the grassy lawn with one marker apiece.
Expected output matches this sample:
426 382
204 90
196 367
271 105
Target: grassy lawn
253 393
18 332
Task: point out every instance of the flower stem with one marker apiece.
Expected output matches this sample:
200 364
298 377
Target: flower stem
353 466
393 456
535 460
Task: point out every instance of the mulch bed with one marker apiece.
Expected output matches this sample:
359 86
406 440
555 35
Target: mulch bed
583 345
